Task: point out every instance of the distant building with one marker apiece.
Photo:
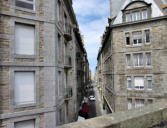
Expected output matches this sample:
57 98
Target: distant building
134 48
39 44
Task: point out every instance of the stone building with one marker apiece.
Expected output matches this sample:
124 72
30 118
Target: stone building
38 65
134 55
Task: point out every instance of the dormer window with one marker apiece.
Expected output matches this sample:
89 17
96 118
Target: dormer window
136 10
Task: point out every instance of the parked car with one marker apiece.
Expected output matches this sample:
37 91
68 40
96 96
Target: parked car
92 98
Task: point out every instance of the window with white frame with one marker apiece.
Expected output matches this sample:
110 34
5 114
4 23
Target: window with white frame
24 88
58 10
144 14
129 82
138 59
135 16
147 36
129 104
59 83
25 124
139 82
148 59
149 82
137 38
128 56
59 47
24 39
27 4
139 103
127 38
128 17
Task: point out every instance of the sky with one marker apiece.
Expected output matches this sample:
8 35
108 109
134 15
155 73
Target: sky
92 16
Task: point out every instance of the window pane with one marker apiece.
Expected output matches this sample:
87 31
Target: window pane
129 104
59 83
128 17
148 59
25 124
129 82
139 82
127 38
144 14
139 103
135 59
25 4
140 59
59 46
147 36
138 15
128 60
149 82
137 37
24 88
24 39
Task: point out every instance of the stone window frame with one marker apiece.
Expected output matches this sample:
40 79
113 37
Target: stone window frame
36 7
37 87
12 46
139 9
12 121
145 82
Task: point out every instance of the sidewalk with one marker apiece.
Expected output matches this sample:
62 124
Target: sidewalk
99 104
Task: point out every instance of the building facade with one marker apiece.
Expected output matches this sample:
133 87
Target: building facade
134 55
38 65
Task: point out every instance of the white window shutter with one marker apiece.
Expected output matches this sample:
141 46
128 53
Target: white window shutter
24 90
139 81
24 39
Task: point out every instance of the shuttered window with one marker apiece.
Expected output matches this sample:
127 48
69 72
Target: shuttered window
24 88
139 83
24 39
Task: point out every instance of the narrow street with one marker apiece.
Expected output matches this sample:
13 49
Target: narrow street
95 106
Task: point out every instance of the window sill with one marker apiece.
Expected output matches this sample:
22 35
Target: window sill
17 56
25 10
25 105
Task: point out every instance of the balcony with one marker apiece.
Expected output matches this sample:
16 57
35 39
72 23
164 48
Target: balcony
67 32
68 94
67 62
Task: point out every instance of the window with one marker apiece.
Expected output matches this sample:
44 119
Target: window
25 124
137 38
149 82
24 39
60 116
128 17
139 103
65 22
147 36
163 1
138 59
59 83
58 10
128 60
135 16
148 59
150 101
66 111
24 88
129 82
127 38
129 104
165 9
59 47
144 14
139 83
27 4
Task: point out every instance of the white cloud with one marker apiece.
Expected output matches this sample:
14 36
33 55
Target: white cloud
92 28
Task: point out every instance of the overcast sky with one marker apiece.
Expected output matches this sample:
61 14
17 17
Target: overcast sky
92 18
